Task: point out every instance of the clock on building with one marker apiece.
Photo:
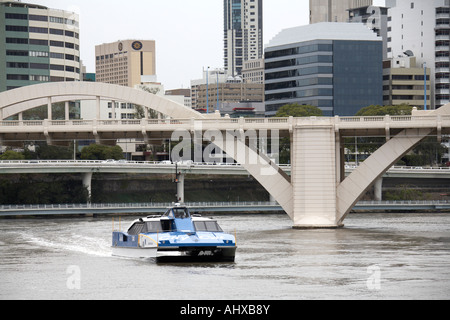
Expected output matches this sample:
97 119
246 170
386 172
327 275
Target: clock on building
137 45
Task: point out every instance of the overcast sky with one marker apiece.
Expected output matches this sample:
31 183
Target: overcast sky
188 33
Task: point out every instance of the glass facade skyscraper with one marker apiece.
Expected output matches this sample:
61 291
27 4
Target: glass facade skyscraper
334 66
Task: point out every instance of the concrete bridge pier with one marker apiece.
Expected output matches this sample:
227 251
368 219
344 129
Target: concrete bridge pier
314 179
378 189
87 183
180 187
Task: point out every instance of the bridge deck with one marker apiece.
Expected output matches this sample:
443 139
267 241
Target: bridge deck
63 130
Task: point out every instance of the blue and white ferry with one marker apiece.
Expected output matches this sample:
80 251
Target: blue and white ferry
175 236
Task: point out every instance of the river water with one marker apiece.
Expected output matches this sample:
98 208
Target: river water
376 256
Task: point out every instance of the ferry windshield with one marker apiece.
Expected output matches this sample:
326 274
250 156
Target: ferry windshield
181 213
178 213
207 226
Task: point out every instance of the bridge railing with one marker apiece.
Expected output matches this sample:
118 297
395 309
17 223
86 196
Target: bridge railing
162 206
38 207
186 122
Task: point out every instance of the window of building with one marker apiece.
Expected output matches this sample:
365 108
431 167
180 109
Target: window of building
38 30
36 17
17 40
16 28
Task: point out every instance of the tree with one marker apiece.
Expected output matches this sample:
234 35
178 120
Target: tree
100 152
427 152
12 155
377 110
297 110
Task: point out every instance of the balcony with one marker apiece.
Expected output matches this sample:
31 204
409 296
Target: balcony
442 69
442 48
442 37
442 80
443 91
442 59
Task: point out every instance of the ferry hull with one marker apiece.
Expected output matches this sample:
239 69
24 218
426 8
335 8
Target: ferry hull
213 254
174 254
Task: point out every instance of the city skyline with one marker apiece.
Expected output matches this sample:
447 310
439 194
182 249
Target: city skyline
181 52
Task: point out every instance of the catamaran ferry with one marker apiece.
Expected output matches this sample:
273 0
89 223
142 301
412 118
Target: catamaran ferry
176 235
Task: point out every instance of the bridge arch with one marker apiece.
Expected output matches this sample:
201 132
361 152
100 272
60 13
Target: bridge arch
315 195
15 101
352 189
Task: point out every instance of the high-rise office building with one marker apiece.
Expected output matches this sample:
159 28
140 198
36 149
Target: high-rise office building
334 66
243 31
423 28
38 45
126 63
375 18
333 10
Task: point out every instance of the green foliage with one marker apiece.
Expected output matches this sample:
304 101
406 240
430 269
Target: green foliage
100 152
426 153
405 193
297 110
376 110
12 155
46 152
32 190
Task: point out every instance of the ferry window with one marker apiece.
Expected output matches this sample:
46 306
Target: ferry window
200 226
153 227
210 226
136 228
181 213
168 213
213 226
166 225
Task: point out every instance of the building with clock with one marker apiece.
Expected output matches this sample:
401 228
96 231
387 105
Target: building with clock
126 63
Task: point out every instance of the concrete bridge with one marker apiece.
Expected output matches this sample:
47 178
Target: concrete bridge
88 167
202 207
316 195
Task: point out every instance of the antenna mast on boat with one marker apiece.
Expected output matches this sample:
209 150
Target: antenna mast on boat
176 181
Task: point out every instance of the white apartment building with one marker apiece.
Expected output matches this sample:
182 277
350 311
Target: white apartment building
423 27
243 32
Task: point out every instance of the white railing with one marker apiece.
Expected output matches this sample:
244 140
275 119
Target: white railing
162 206
191 164
256 121
38 207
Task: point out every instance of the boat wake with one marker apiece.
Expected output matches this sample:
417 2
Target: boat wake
74 243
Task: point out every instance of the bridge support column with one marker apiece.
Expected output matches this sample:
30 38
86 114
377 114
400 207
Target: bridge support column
378 189
97 107
49 108
314 179
87 183
66 111
180 188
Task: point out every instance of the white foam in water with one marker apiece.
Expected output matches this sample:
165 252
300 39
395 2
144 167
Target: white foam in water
75 243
